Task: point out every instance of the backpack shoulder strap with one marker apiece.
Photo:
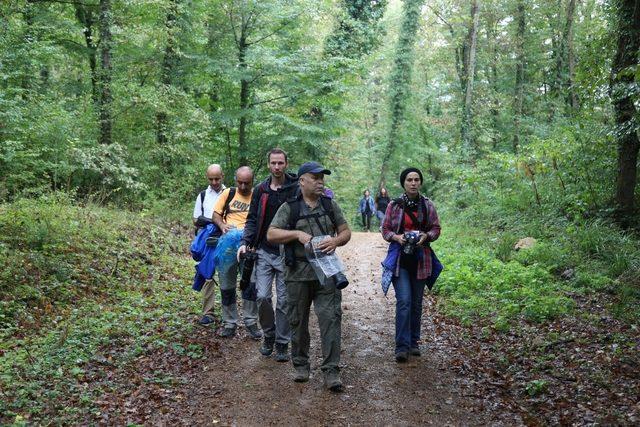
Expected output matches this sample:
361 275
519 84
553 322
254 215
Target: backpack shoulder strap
230 196
328 208
261 213
203 193
294 211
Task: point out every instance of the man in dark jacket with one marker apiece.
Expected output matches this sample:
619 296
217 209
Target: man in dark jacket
267 198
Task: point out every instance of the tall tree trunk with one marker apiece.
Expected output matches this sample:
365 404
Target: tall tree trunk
468 140
244 101
519 89
169 63
559 52
29 38
214 96
621 85
401 77
572 97
106 42
493 77
85 16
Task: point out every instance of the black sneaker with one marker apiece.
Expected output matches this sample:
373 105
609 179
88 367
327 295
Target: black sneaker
282 352
414 351
302 374
402 357
254 332
267 346
227 332
332 381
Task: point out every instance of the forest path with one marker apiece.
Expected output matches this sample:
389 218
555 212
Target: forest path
238 386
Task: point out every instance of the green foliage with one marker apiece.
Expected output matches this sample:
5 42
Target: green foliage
477 285
358 30
537 387
83 287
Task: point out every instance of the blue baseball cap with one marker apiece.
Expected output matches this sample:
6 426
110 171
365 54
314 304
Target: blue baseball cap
312 167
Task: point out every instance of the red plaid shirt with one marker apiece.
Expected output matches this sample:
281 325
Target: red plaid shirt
391 227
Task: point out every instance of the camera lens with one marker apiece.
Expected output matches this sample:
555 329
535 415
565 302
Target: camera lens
340 280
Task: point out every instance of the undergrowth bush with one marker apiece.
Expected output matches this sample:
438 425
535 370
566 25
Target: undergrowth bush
475 284
82 285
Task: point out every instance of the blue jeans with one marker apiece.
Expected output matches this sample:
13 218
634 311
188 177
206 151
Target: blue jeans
409 292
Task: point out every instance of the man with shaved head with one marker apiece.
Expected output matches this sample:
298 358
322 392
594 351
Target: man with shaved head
203 215
207 198
230 212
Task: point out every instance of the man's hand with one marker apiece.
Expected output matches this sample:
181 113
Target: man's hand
241 250
303 237
226 227
328 245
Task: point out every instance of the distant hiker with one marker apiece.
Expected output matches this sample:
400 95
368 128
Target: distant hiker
410 223
203 209
230 215
267 197
382 201
311 214
366 208
202 216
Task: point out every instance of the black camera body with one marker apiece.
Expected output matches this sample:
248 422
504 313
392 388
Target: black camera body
248 262
411 239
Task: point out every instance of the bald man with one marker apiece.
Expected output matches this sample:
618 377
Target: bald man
230 212
203 215
207 198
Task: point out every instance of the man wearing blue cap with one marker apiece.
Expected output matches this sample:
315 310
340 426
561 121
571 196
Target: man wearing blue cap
296 222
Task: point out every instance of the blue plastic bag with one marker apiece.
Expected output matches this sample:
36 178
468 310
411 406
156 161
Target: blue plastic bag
227 249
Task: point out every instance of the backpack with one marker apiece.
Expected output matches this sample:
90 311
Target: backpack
295 204
263 192
294 212
232 193
230 196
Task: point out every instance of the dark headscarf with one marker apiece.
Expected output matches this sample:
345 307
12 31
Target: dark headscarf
406 172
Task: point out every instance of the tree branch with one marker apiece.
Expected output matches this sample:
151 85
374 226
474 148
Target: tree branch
276 31
276 98
444 21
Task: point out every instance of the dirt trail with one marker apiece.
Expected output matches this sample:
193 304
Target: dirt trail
238 386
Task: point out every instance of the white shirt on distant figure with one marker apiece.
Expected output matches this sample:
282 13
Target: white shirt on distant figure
210 197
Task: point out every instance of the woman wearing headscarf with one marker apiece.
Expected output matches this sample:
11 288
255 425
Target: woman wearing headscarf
366 208
411 223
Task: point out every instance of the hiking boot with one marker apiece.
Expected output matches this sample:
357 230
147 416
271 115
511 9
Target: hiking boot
206 320
302 374
332 381
402 357
227 332
267 346
282 352
254 332
414 351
